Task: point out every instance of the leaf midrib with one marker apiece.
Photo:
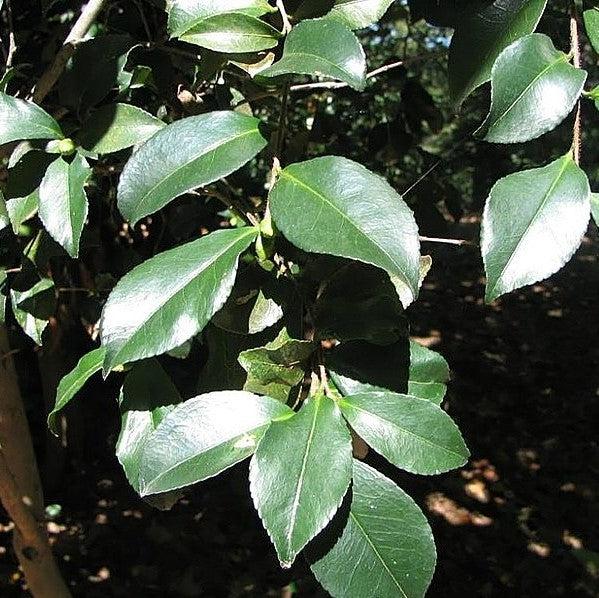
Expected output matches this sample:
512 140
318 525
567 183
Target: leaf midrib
301 479
377 553
293 53
399 271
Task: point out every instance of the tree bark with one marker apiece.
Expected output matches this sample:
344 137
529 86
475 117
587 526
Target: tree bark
20 487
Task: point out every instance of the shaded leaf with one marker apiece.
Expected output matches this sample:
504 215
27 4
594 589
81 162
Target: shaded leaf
115 127
73 382
276 368
429 374
591 22
34 307
595 207
490 27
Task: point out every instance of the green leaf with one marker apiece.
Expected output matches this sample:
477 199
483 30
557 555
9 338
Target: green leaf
533 88
21 209
357 14
429 374
533 223
358 366
335 206
482 33
299 475
386 548
595 207
202 437
25 120
232 33
171 297
63 202
115 127
184 14
591 23
322 47
94 70
147 397
276 368
73 382
370 310
187 154
34 307
413 434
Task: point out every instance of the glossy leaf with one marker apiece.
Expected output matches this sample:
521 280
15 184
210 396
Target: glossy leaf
63 202
534 87
322 47
413 434
187 154
299 475
533 223
232 33
21 209
184 14
204 436
595 207
171 297
25 120
115 127
335 206
276 368
73 382
386 548
591 23
357 14
483 31
429 374
147 397
34 307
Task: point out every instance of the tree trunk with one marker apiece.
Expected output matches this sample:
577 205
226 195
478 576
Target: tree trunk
20 487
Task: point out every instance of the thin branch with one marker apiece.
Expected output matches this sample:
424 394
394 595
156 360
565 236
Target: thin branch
575 50
86 19
144 21
12 44
280 145
447 241
286 23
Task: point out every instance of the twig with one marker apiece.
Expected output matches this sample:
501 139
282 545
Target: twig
286 23
86 19
229 203
12 45
446 241
282 122
144 21
575 50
